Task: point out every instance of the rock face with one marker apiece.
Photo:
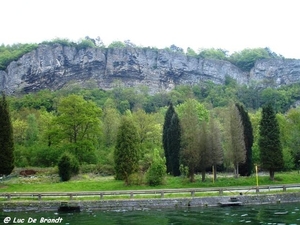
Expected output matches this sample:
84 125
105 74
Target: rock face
54 66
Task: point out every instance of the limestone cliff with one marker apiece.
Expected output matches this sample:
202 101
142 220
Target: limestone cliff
54 66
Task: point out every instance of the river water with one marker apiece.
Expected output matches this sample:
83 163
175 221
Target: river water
278 214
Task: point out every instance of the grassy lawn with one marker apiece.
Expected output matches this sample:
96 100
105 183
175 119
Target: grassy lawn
91 182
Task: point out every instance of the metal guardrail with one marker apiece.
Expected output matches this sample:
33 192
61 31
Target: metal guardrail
154 192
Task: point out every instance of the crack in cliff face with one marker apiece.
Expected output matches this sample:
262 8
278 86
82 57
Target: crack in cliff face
56 65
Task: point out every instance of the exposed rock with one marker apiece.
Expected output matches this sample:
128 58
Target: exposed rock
54 66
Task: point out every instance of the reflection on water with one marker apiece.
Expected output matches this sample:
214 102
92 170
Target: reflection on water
279 214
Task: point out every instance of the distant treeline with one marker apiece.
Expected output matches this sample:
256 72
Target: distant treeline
244 59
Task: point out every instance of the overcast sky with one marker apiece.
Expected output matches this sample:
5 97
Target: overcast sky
232 25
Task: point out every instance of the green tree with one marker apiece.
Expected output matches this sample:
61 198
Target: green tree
192 116
204 149
247 167
175 144
269 142
213 53
157 170
190 52
292 133
68 165
246 58
6 139
215 148
165 136
117 44
32 130
79 126
235 135
126 154
111 120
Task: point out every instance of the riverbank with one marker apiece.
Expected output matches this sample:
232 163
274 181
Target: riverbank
145 204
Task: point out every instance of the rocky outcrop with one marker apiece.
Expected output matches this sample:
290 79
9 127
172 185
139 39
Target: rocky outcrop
54 66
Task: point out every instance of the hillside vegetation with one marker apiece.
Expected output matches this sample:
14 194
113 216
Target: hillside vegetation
244 59
44 121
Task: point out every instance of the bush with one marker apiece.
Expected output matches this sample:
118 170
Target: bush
157 171
136 179
68 165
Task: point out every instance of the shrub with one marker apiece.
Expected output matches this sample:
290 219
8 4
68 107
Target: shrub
136 179
157 171
68 165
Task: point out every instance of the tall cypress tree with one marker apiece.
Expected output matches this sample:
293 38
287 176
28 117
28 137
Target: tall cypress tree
174 145
246 168
6 139
271 155
171 140
165 137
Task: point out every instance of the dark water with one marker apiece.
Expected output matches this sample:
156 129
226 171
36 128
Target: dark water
278 214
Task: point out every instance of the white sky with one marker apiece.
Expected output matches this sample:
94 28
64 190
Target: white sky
232 25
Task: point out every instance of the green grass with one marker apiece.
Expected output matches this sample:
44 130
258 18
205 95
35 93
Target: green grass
84 182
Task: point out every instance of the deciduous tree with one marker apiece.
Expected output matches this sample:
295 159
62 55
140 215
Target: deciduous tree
235 135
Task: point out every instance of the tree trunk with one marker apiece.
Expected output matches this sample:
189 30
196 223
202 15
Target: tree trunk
215 172
272 173
192 175
203 175
237 170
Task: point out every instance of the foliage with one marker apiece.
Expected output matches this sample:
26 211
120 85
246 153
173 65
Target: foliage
165 136
85 43
117 44
62 41
6 138
215 148
126 154
68 165
157 171
269 141
236 141
246 58
291 139
191 52
192 114
78 124
13 52
247 167
212 53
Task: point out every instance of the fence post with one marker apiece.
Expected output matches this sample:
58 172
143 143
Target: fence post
101 195
284 188
131 194
162 194
257 189
193 193
8 197
221 192
39 197
71 196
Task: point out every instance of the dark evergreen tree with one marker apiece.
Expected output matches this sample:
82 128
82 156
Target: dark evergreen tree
68 165
246 168
271 155
165 137
6 139
175 145
171 141
126 154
